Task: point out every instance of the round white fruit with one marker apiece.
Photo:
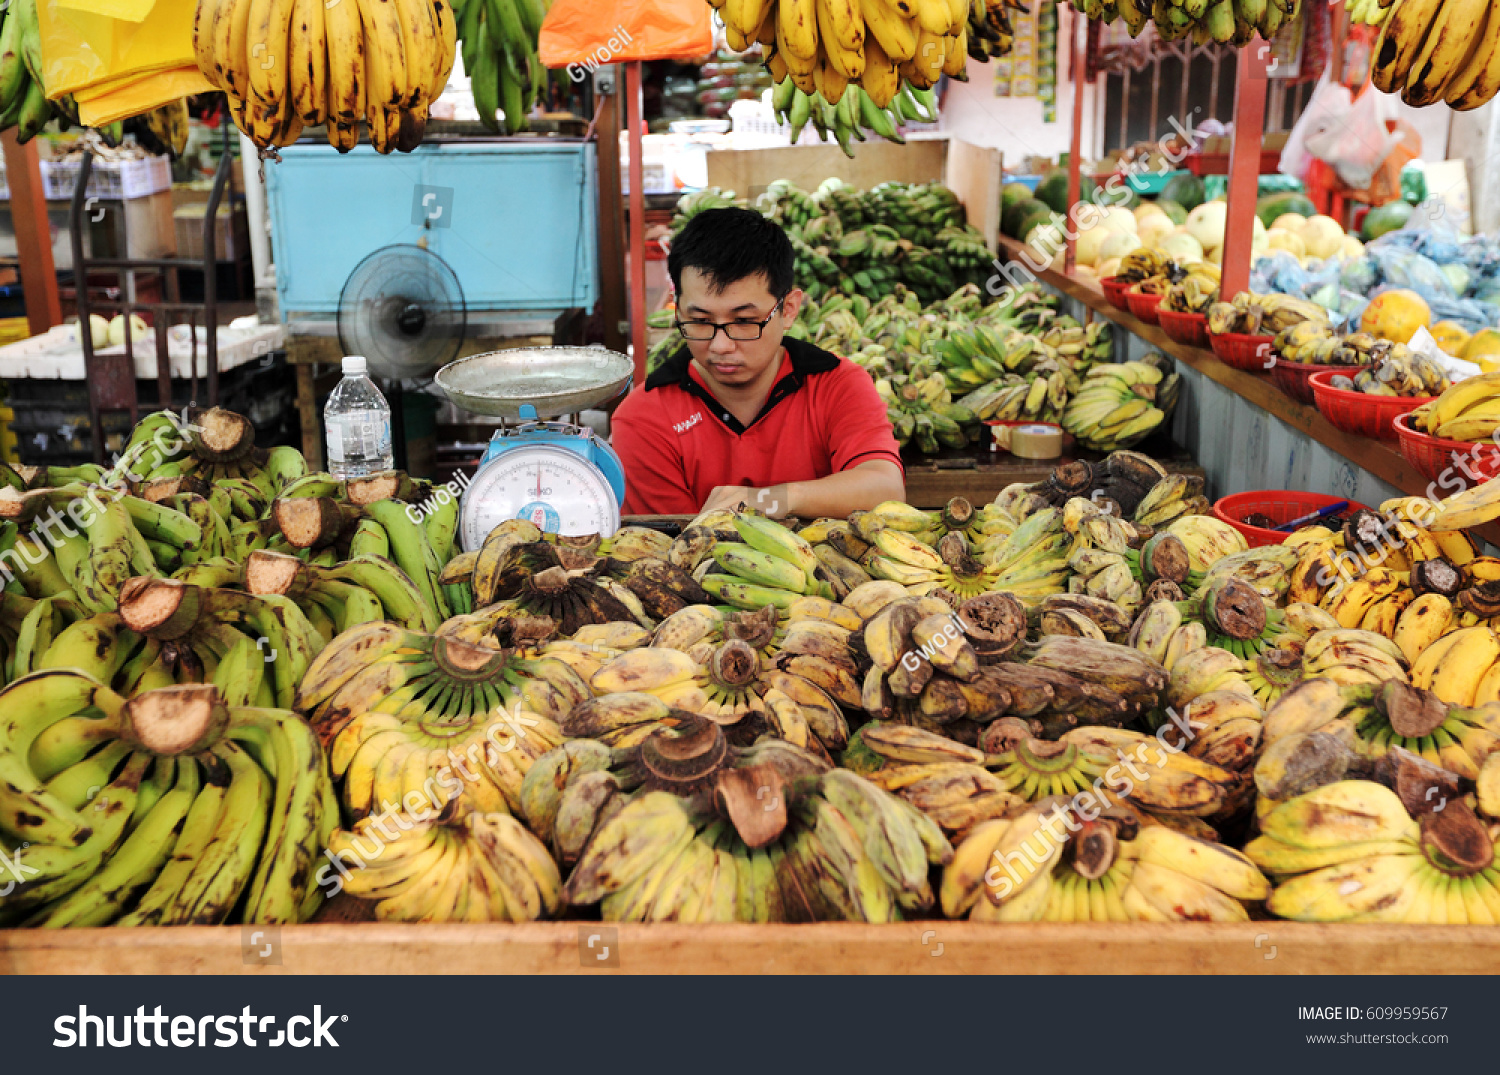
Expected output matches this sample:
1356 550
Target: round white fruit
1290 241
1322 236
1090 243
1154 230
1290 221
99 330
1119 219
1118 245
1207 223
1182 248
138 329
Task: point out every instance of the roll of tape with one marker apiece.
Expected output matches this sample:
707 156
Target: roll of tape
1038 441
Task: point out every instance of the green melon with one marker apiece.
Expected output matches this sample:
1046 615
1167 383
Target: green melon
1273 207
1014 194
1186 190
1175 212
1011 218
1387 218
1036 219
1053 189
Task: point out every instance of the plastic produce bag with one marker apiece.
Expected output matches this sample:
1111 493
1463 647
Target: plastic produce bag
1348 133
137 64
594 32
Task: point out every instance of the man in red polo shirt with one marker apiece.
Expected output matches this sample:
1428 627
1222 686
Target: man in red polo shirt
741 414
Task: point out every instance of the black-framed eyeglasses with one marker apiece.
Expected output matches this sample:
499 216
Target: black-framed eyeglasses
740 331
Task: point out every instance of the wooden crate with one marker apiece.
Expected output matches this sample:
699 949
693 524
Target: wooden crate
920 947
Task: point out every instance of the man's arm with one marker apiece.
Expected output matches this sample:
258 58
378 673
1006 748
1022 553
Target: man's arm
859 488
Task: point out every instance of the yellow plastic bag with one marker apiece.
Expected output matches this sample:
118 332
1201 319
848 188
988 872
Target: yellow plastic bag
98 106
595 32
131 65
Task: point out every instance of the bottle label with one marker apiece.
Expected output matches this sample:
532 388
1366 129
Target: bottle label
358 435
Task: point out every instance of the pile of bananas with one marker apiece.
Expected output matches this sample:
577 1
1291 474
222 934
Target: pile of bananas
475 867
1120 404
286 66
1359 850
1392 369
1262 315
924 412
166 808
1438 50
1195 292
498 39
1467 411
687 827
1143 264
1225 21
1116 866
868 242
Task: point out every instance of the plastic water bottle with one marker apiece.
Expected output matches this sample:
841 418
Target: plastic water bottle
359 425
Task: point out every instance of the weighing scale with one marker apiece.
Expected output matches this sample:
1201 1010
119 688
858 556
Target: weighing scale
560 476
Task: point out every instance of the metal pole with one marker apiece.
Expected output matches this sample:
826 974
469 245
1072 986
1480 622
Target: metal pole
634 118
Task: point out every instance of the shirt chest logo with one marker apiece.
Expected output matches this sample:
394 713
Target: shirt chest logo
684 426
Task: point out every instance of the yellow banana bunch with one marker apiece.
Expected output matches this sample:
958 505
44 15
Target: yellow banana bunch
1051 864
1350 851
286 64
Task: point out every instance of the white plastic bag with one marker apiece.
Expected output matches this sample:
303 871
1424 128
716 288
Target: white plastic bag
1347 133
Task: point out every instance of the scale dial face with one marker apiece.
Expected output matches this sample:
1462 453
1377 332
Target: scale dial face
558 490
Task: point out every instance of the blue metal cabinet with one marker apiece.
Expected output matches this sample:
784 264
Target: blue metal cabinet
516 222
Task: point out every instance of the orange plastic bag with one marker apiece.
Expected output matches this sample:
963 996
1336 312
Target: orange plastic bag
589 33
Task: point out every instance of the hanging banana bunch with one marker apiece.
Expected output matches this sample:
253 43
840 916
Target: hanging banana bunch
1224 21
500 55
848 66
1438 50
290 64
23 100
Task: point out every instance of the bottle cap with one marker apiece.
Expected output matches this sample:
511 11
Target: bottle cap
355 364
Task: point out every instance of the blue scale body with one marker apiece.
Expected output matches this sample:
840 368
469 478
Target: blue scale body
580 440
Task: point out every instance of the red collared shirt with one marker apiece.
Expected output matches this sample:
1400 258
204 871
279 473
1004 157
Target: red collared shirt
678 443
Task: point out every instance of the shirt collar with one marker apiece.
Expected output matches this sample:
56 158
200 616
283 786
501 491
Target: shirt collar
804 360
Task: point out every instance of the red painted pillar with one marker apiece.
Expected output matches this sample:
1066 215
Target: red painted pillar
1075 156
1244 166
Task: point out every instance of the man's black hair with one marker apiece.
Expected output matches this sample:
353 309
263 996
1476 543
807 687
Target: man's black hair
729 245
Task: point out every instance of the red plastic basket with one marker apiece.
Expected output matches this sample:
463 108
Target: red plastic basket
1188 328
1114 291
1356 412
1253 354
1143 306
1438 459
1293 377
1281 505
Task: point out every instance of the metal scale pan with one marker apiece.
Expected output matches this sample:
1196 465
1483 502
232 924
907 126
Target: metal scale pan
553 380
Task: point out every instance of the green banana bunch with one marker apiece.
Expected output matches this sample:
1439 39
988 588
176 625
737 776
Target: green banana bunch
498 42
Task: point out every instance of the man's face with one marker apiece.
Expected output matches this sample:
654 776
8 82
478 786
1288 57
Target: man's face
735 363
